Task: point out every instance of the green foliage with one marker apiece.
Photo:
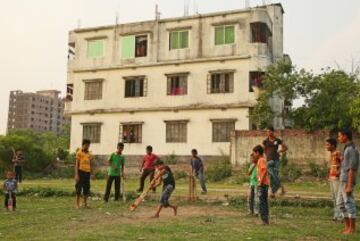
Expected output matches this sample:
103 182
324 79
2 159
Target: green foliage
316 170
171 159
331 101
355 114
40 149
290 172
220 170
63 172
180 174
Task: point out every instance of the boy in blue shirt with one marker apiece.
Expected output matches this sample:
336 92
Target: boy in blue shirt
10 187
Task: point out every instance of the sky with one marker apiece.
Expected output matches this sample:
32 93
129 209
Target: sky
34 34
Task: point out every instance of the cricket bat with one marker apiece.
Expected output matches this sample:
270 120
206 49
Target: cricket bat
123 189
140 199
10 203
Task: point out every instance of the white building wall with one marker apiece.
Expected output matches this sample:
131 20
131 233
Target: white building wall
199 131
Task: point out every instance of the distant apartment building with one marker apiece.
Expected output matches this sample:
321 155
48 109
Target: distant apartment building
175 84
41 111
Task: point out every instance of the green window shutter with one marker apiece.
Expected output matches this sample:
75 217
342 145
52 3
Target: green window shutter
219 35
229 34
95 48
184 39
174 40
128 47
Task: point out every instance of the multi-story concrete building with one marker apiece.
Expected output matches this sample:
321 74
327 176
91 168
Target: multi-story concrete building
41 111
175 84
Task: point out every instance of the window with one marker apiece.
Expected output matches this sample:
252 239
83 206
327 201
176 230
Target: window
221 130
131 132
141 46
260 33
69 92
224 35
92 131
179 39
134 87
133 46
95 48
176 131
221 82
177 84
255 80
93 89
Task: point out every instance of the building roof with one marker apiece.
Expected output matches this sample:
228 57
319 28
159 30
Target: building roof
174 19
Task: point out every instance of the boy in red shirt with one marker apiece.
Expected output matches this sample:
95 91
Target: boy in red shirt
263 183
334 174
147 167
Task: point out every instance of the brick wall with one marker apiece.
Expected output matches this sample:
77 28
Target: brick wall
304 147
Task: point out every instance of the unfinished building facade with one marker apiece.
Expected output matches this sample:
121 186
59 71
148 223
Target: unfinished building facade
175 84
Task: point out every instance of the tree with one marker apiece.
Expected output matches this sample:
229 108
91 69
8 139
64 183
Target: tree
328 99
278 84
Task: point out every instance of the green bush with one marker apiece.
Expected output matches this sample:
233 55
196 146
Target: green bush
180 174
63 172
171 159
316 170
290 172
220 170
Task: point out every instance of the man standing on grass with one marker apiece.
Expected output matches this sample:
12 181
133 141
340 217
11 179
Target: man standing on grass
197 169
147 168
116 169
348 179
263 183
334 173
271 145
83 173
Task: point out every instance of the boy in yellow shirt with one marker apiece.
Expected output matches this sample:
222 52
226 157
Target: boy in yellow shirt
83 173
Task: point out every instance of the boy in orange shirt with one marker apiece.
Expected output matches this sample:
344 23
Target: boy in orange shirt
263 183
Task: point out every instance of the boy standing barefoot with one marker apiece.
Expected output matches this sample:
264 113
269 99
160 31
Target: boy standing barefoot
197 168
83 173
253 188
348 180
10 188
263 183
168 180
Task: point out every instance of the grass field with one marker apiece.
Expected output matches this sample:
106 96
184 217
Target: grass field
55 218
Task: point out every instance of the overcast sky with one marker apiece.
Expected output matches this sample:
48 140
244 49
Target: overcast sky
33 43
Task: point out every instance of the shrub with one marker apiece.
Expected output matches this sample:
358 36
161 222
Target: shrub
316 170
63 172
180 174
290 172
171 159
220 170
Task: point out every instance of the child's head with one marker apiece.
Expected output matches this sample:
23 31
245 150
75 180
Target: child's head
10 175
344 136
86 144
258 151
331 144
149 149
159 164
120 147
194 152
270 131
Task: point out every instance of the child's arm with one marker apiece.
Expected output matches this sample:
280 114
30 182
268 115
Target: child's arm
76 169
251 170
123 169
142 164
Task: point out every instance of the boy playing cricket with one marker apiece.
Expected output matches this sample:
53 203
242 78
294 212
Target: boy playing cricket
197 168
334 174
10 188
18 161
253 190
263 183
83 173
168 180
116 169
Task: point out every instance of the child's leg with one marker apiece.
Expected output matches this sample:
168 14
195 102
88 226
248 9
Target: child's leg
256 200
6 200
108 188
86 188
152 174
14 200
142 180
77 201
117 188
78 188
174 208
158 210
264 208
251 199
202 181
